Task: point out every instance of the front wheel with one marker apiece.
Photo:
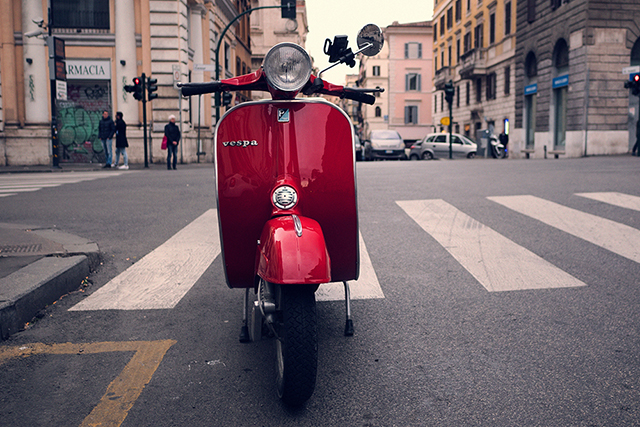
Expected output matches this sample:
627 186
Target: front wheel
297 344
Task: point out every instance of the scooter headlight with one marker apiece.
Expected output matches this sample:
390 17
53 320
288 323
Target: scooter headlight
285 197
287 67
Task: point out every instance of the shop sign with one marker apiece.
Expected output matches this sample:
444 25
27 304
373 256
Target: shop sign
88 69
531 89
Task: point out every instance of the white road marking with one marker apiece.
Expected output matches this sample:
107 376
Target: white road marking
615 237
12 184
164 276
496 262
616 199
366 287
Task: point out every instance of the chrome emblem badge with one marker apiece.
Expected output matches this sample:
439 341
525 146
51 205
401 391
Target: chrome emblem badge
283 115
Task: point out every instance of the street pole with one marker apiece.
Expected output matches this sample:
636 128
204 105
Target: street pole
144 118
450 130
54 120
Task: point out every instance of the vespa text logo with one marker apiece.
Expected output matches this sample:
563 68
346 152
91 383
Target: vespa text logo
240 143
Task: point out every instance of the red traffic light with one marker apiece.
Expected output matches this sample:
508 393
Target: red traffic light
636 78
136 81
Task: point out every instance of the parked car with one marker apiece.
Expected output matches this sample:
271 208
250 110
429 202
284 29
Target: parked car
384 144
358 148
436 145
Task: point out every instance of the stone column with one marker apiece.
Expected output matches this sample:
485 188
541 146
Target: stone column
126 60
36 71
196 13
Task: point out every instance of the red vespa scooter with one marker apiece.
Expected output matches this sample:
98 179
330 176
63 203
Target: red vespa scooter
286 193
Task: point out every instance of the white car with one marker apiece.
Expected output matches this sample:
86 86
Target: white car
384 144
436 145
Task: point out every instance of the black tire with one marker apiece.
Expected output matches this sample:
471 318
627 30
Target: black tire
297 346
427 155
414 157
471 155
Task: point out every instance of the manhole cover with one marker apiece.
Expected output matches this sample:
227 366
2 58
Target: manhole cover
20 249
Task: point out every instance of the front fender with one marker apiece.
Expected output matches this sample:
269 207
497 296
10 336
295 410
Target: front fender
287 257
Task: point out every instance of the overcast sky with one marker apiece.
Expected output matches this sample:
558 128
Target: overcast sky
328 18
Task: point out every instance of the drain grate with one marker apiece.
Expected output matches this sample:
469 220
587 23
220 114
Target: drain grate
20 249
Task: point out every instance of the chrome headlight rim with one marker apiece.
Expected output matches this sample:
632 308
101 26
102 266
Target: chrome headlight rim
273 66
284 197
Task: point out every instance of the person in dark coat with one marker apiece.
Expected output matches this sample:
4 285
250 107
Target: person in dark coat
172 132
121 142
106 130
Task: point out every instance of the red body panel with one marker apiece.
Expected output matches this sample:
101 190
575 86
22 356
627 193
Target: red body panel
288 259
313 152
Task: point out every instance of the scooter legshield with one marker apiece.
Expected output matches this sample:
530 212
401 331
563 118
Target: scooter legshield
288 257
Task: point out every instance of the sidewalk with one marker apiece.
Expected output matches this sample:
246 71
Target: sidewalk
37 267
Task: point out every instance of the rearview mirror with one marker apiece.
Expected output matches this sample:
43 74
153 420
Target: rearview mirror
370 34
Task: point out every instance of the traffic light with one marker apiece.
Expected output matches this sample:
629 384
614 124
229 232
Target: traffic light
151 88
633 84
288 9
226 98
449 91
135 88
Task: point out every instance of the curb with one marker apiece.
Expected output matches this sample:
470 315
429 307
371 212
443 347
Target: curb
30 289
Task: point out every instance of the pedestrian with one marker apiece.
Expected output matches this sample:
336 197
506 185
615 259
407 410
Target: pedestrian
172 132
121 142
636 148
504 140
106 130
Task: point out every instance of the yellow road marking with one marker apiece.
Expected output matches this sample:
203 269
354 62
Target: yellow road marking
124 390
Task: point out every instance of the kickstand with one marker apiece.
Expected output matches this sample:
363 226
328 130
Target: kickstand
244 331
348 327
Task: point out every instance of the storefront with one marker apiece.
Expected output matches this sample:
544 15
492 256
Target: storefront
88 95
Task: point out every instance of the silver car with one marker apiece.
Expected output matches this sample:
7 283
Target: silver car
384 144
436 145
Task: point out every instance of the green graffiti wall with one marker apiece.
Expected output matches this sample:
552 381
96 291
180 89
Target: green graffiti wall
78 119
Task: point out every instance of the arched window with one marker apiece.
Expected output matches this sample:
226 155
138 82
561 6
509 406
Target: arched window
635 53
378 111
561 57
531 65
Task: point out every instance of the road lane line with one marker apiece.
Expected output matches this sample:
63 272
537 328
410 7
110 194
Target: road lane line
366 287
164 276
617 199
496 262
124 390
613 236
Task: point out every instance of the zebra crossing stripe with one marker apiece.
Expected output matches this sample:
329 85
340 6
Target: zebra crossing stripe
164 276
613 236
12 185
616 199
366 287
496 262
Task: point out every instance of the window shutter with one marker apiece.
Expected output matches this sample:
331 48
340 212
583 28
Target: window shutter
419 82
406 50
420 50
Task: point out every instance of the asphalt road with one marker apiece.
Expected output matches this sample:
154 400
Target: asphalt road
441 348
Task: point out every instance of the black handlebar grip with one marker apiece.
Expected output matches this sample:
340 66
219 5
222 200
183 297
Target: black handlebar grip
189 89
359 96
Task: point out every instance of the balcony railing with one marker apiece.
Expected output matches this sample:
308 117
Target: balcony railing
473 63
443 75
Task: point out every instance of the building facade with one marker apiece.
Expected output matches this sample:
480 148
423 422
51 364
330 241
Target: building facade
375 72
570 98
107 44
474 48
410 79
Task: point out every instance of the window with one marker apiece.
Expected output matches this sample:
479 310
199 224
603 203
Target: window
468 6
435 103
376 70
442 57
458 10
458 53
467 42
507 18
81 14
435 62
479 91
457 96
449 18
468 93
531 10
435 32
450 63
442 25
507 80
441 101
378 112
478 36
411 115
413 50
491 86
412 82
492 28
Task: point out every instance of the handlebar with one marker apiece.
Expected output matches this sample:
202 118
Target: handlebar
359 95
189 89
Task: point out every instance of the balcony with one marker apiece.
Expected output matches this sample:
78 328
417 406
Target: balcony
473 63
443 75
